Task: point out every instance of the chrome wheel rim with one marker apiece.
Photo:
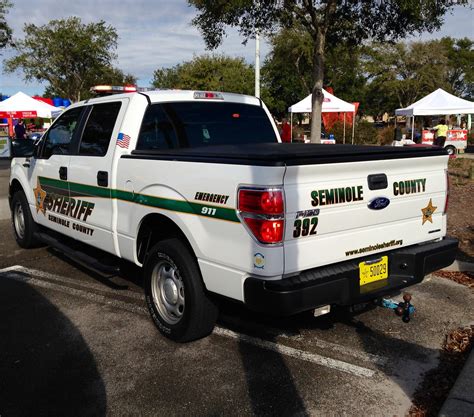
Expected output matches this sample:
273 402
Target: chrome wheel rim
168 291
19 221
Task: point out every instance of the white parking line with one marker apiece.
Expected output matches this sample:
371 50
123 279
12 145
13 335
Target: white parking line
64 280
15 274
297 353
322 344
22 274
364 356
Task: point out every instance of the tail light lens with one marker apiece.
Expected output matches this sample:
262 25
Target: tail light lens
261 201
448 186
266 231
262 211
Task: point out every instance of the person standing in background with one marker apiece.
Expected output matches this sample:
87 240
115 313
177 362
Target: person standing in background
20 131
441 131
285 131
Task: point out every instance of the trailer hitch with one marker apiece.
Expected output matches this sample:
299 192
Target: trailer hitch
403 308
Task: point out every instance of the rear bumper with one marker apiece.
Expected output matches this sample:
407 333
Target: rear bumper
339 283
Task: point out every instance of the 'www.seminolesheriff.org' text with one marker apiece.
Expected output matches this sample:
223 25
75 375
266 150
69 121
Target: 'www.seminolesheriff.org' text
377 246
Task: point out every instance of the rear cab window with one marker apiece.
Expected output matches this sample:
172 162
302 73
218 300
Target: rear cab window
195 124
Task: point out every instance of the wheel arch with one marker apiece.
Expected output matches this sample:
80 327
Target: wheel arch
14 187
153 228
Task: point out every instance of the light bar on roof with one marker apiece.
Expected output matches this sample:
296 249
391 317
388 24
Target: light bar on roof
208 95
102 88
111 89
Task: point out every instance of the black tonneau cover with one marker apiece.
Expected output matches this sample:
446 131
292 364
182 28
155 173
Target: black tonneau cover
281 154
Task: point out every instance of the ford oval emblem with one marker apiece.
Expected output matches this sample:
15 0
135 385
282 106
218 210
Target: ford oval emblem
378 203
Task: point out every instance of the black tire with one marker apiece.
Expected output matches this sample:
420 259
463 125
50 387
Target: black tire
451 150
175 293
24 227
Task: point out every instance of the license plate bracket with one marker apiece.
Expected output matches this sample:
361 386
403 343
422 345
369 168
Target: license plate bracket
374 270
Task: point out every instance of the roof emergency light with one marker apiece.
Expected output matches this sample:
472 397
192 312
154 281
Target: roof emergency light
113 89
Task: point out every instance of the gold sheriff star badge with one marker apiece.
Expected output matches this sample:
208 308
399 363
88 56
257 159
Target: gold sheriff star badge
428 212
40 195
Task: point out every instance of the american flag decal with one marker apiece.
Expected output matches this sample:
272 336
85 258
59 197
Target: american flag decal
123 140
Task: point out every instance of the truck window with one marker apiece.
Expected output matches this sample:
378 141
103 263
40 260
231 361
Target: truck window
156 132
99 128
60 134
197 123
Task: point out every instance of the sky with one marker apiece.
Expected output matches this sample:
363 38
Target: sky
158 33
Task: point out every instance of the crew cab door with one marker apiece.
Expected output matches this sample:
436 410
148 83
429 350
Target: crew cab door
90 174
48 171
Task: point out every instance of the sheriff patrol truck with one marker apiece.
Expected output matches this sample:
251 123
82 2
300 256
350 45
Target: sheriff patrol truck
195 188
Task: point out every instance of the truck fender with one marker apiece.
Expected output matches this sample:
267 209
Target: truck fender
19 181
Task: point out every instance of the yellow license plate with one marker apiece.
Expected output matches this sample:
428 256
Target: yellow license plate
373 271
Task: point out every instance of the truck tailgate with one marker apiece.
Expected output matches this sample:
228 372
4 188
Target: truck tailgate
341 211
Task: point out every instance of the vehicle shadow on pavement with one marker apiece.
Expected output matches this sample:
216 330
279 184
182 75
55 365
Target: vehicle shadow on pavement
406 364
270 384
46 366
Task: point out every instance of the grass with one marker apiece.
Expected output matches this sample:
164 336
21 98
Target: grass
460 170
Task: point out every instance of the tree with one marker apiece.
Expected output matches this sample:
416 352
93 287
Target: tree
460 70
106 75
286 72
5 30
69 55
402 73
328 22
208 72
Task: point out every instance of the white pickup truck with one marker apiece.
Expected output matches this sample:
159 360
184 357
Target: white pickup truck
195 188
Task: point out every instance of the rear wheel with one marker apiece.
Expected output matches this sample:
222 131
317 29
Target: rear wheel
24 227
175 294
451 150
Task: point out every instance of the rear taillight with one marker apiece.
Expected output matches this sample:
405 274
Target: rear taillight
262 211
446 203
261 201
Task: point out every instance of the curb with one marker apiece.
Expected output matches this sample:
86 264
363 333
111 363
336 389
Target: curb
460 401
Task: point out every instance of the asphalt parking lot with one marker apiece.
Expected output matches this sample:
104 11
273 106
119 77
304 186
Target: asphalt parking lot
75 343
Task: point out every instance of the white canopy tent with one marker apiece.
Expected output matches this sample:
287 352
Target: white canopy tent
23 103
439 102
331 104
22 106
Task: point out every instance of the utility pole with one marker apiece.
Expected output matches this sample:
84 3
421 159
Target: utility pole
257 64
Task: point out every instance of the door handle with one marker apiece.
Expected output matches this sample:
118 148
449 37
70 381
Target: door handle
63 173
103 178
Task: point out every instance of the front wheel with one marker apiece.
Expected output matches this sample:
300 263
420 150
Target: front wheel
24 227
175 294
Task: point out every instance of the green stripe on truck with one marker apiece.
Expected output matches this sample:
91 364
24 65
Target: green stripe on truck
182 206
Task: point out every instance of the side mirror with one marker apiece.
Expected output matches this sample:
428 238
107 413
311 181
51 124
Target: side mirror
22 148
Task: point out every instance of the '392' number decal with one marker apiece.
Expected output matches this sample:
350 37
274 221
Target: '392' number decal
305 227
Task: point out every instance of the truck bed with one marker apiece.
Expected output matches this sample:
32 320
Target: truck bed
286 154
